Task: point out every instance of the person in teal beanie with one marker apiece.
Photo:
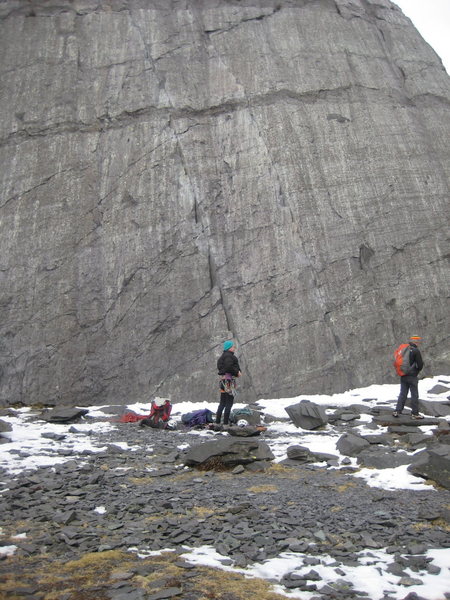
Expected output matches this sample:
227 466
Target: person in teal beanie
228 369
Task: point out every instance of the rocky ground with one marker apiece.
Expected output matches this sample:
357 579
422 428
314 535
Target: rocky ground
82 518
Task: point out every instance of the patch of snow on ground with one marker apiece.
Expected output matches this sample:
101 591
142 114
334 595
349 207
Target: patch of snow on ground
27 449
370 575
398 478
7 550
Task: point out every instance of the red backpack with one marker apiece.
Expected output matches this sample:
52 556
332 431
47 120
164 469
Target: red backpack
402 356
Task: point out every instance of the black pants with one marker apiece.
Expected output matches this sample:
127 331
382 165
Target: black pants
409 383
226 402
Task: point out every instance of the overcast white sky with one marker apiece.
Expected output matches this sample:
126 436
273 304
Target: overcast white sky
432 19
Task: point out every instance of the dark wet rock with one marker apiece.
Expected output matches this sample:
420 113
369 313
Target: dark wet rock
307 415
350 444
63 415
434 464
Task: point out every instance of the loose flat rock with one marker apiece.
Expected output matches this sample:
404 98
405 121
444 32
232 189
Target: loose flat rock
64 414
387 419
439 389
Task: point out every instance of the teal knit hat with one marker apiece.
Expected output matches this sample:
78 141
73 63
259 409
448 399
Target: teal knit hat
227 345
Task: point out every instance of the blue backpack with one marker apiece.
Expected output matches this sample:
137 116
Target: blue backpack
197 418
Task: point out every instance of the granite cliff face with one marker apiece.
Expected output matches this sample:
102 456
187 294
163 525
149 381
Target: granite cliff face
174 173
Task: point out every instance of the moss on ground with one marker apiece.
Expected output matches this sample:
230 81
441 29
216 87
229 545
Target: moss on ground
91 576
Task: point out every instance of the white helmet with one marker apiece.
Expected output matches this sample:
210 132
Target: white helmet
242 423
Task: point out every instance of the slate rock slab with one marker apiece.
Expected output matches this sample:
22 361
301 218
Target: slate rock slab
350 444
387 419
64 415
439 389
307 415
300 453
380 458
381 439
434 464
232 451
435 409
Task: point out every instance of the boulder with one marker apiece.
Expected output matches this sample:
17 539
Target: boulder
63 414
350 444
307 415
434 464
300 454
229 452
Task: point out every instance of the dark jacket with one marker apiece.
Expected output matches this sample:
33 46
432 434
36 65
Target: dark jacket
415 359
228 363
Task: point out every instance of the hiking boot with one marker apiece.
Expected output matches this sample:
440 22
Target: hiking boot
396 413
416 417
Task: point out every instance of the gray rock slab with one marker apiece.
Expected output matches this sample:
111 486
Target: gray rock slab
387 419
350 444
434 464
435 409
63 414
307 415
379 458
231 451
381 439
439 389
300 453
